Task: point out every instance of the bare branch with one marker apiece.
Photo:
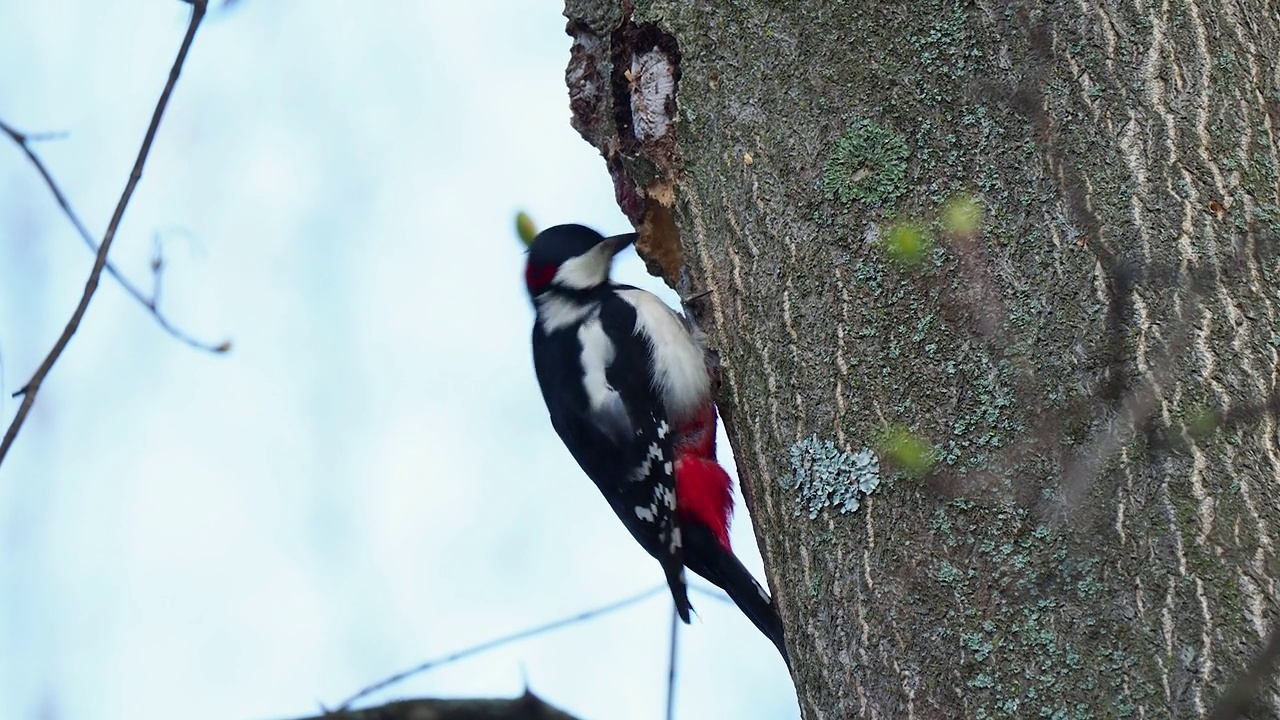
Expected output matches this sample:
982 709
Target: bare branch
152 304
713 593
32 388
506 640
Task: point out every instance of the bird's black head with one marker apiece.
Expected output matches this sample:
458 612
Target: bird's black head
571 257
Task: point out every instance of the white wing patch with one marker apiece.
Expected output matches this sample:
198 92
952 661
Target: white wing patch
597 355
605 402
679 362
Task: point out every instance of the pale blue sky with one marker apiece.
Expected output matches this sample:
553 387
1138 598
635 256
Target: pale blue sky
368 479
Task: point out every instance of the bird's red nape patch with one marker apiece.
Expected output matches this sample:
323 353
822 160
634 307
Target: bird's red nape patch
704 493
537 277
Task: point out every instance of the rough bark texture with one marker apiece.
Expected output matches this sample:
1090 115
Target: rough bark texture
1095 364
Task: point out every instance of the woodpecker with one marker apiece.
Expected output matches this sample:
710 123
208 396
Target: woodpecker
629 390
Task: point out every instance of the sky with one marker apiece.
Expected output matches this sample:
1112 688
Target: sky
368 479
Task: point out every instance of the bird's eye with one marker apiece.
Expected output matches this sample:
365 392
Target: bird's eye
537 277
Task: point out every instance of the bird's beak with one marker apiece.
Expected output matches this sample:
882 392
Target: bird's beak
618 243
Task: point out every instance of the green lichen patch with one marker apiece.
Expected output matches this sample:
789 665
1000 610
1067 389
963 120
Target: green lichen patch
1027 646
867 165
824 476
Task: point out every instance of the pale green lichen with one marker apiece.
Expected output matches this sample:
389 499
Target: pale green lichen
868 165
824 476
1025 608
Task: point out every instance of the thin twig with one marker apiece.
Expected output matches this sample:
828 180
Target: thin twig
152 304
671 664
505 640
30 390
47 136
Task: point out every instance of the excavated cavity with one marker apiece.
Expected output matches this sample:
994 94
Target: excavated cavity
623 79
646 77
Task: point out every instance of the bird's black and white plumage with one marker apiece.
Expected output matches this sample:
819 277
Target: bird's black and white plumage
595 369
628 390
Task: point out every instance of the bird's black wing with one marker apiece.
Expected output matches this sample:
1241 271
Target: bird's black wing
648 493
629 456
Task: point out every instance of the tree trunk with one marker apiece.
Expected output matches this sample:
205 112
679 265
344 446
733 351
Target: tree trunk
1018 261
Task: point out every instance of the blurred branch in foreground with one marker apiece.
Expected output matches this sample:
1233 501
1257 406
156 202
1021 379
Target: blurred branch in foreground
1236 701
491 644
32 387
525 707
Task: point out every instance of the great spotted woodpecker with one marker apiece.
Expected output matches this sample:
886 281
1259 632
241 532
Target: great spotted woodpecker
628 388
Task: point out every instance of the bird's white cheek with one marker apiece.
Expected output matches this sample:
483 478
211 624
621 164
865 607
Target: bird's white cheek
585 271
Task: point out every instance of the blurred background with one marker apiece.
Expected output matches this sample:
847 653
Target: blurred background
368 479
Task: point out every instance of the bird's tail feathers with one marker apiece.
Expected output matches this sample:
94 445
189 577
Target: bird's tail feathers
722 568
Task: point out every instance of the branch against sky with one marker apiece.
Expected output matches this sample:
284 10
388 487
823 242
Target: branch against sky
32 387
152 303
498 642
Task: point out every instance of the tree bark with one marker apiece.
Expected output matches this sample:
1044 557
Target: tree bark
1016 264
